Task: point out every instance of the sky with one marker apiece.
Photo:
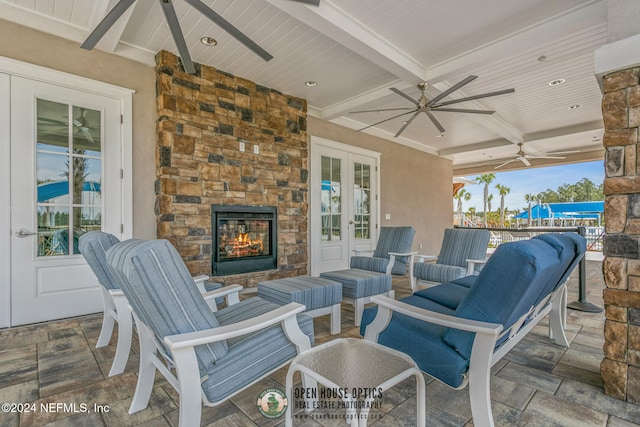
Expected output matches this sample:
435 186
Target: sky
530 180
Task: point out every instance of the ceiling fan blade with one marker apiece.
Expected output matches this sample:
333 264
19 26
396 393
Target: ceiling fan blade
505 163
471 98
386 120
435 121
381 110
463 110
524 160
178 38
451 90
106 23
229 28
404 95
404 126
87 135
311 2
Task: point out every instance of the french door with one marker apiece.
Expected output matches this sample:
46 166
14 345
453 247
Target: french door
66 161
344 204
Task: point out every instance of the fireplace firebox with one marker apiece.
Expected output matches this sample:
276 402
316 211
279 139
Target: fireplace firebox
244 240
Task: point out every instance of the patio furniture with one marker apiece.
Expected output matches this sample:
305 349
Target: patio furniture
462 253
319 296
215 355
457 333
93 246
392 253
365 366
358 286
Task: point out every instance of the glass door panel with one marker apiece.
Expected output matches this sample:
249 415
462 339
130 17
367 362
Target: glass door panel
362 200
331 199
68 175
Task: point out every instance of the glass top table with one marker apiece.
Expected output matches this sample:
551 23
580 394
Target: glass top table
355 371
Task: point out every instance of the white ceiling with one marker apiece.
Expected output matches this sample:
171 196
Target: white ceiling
357 49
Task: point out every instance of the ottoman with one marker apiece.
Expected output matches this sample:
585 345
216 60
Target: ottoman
358 286
320 296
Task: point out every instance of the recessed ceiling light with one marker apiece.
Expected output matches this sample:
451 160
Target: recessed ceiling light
574 106
439 135
542 58
556 82
208 41
310 83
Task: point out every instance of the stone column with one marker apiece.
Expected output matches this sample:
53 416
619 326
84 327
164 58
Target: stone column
617 68
621 112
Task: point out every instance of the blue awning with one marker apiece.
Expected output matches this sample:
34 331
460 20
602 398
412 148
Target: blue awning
51 190
568 210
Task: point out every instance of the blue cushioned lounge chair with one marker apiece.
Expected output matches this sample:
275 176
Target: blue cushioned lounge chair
462 252
93 246
215 355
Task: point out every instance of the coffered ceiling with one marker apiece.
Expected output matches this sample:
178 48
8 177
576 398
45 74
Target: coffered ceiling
356 50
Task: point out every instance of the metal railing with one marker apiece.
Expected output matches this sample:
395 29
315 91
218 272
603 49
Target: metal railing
594 238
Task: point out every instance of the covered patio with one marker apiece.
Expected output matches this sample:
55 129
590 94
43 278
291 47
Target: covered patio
538 383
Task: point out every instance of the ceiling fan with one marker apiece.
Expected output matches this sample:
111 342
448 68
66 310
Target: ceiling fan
425 105
80 126
524 157
174 26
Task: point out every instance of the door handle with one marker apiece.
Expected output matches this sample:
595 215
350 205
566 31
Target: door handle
24 233
351 222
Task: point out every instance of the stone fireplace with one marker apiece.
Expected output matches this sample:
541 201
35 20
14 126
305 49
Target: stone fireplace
226 141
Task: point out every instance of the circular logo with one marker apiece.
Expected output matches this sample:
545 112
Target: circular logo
272 403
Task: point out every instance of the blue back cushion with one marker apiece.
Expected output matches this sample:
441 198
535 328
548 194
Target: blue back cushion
566 248
394 239
93 246
162 293
459 245
506 288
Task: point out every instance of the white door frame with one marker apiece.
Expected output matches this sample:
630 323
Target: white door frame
11 67
314 193
5 208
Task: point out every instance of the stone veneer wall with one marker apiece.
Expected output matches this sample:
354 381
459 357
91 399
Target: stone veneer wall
620 369
201 120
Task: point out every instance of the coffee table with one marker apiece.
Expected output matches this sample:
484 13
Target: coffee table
355 371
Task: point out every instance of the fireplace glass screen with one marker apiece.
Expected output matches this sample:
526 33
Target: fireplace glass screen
245 239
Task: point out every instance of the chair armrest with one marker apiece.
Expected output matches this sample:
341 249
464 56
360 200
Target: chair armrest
206 336
116 293
423 258
434 317
392 260
231 293
199 280
471 264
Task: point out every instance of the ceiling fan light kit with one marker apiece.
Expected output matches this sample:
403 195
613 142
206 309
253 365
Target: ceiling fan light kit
176 32
426 106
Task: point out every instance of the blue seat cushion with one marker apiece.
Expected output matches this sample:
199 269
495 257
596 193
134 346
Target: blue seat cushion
422 341
466 281
369 263
506 288
313 292
93 246
438 272
358 283
249 357
447 294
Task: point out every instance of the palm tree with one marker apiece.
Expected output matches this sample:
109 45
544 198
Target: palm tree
503 190
530 198
460 196
485 179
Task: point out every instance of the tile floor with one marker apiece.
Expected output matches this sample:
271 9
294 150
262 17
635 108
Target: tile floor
56 366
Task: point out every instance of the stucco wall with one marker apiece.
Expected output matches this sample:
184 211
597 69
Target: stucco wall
416 187
34 47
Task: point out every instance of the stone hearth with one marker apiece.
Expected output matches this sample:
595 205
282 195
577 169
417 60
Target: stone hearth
202 122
